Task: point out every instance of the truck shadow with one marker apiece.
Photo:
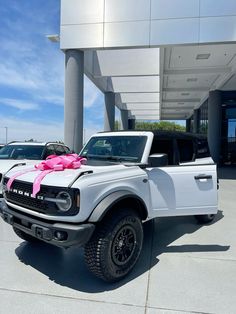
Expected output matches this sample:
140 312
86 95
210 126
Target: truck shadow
67 267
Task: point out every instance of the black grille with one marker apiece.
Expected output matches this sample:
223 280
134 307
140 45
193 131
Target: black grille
39 205
27 201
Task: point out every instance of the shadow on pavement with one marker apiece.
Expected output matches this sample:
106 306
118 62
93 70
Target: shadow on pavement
67 267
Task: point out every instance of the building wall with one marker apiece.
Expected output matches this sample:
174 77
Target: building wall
143 23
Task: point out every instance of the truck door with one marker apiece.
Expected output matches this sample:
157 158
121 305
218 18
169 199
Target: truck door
183 189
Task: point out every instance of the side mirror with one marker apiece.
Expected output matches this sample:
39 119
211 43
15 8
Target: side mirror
158 160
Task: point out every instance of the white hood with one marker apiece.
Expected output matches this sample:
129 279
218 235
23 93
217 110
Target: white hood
61 178
6 164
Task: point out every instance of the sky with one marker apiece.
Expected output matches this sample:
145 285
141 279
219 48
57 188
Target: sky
32 75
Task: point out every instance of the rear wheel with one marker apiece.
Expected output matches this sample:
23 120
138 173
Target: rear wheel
25 236
115 246
205 218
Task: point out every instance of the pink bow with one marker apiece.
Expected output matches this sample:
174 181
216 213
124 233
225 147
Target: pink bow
52 163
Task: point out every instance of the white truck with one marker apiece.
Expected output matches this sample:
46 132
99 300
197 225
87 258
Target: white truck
27 153
129 178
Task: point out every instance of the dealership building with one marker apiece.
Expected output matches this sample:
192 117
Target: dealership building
153 59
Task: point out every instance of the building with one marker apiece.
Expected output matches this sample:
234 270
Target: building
154 59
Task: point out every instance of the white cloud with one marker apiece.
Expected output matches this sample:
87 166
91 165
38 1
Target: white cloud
21 130
19 104
33 69
11 75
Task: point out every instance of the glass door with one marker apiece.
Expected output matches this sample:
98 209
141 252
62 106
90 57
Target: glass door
229 134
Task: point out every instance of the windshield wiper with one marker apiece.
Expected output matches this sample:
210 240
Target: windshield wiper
104 157
112 158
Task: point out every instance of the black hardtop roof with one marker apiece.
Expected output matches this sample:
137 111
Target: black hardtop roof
178 134
166 134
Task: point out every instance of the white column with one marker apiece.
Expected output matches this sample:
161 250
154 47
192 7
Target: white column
74 90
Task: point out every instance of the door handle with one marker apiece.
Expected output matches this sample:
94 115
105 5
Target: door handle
202 176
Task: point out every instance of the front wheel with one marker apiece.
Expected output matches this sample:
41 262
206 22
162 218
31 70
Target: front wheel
205 218
115 246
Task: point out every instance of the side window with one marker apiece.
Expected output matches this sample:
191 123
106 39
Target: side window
163 146
186 150
202 148
59 150
66 150
49 150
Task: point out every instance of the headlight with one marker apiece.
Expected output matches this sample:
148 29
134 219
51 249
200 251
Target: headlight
63 201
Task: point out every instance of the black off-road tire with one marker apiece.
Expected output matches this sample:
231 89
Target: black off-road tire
25 236
115 245
204 219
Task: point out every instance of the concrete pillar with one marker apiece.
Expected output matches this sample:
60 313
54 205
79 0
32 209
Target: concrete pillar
196 121
74 90
131 124
109 112
214 124
188 125
124 119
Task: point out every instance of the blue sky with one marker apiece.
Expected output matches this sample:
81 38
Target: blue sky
32 74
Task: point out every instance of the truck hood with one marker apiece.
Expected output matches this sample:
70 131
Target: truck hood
6 164
63 178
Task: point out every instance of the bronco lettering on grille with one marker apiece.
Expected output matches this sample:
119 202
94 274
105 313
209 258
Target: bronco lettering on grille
27 194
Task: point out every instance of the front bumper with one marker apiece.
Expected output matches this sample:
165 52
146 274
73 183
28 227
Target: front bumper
59 234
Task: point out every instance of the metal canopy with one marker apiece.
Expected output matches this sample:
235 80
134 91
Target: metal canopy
162 83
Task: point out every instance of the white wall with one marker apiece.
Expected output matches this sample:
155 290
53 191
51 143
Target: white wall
142 23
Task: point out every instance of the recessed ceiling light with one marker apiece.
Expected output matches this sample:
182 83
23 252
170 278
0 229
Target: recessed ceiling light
203 56
192 79
184 94
180 103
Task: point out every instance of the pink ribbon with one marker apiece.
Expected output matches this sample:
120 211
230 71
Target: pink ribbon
51 164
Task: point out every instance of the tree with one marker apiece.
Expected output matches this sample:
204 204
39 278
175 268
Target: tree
162 125
117 125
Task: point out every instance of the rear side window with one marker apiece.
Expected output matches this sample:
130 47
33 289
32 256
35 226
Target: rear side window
202 148
50 150
186 150
66 150
59 150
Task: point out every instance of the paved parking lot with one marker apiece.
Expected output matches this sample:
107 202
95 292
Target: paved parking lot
184 268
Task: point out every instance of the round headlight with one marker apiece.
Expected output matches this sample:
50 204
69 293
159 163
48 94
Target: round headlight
64 201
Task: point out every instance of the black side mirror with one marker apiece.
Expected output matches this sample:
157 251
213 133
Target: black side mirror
158 160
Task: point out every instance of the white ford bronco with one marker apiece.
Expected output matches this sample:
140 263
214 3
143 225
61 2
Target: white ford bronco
30 153
129 177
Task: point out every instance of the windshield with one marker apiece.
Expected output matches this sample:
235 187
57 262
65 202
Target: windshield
115 148
21 152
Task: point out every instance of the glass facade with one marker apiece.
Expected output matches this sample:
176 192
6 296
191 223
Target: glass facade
228 130
203 118
202 122
228 125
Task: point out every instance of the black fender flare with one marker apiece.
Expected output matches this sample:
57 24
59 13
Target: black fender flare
110 200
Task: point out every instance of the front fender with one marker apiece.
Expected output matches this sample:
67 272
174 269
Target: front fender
109 201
